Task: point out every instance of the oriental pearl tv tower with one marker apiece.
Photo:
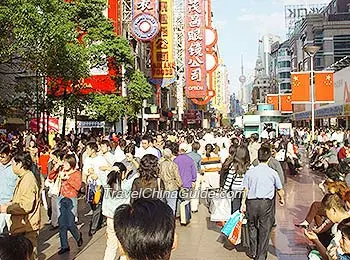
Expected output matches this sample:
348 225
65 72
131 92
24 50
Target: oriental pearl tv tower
242 79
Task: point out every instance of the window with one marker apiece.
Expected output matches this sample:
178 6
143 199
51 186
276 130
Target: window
284 75
284 64
341 46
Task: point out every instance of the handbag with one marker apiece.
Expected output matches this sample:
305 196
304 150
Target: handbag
54 189
97 195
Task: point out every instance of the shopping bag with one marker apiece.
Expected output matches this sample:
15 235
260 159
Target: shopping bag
90 191
185 212
231 223
281 155
220 209
235 236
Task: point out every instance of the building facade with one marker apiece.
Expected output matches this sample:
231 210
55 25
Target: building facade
280 65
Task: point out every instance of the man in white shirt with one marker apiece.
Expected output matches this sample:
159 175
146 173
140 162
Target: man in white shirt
93 170
106 152
146 147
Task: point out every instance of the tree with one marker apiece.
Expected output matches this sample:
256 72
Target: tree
138 89
113 107
61 40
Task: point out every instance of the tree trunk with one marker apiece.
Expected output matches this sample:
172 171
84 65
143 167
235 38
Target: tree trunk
64 113
76 120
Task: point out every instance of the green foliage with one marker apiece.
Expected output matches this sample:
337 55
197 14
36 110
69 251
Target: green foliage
113 107
138 89
63 40
109 107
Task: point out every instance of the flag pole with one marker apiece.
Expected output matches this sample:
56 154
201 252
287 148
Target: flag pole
311 51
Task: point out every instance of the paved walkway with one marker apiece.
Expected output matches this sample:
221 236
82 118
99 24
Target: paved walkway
201 240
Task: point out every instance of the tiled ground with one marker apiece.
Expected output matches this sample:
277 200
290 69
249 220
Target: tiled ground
201 240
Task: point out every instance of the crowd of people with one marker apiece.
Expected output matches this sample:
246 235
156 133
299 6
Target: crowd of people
135 183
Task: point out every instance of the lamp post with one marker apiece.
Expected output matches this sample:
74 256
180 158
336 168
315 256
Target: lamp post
311 50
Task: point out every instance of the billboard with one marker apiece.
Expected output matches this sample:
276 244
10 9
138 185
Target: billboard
195 60
295 13
163 65
145 23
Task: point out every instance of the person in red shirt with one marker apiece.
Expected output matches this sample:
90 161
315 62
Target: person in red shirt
44 161
70 185
344 151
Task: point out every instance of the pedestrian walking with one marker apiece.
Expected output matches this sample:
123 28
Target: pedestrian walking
260 184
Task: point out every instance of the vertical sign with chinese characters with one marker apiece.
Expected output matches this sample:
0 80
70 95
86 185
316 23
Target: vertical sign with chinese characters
195 49
145 23
162 47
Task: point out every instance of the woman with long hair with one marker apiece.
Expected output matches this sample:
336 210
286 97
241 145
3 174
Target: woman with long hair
149 180
227 164
233 180
117 192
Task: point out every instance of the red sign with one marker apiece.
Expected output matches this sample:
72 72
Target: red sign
196 74
53 124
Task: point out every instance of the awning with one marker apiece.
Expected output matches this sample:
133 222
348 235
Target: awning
14 121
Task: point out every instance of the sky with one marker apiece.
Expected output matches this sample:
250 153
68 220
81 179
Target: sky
240 24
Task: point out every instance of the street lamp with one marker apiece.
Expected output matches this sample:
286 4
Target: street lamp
311 50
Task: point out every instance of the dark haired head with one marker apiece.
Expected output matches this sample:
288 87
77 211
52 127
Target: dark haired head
59 154
106 142
333 174
255 137
5 149
264 154
92 146
208 149
25 159
145 229
114 178
15 247
130 148
149 167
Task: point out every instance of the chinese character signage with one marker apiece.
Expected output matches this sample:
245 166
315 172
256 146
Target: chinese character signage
162 47
145 24
195 49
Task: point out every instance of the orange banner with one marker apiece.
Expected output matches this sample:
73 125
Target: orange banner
272 100
300 87
286 103
195 53
324 86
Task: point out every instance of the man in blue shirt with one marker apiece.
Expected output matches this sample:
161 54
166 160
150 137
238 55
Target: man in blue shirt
7 183
260 184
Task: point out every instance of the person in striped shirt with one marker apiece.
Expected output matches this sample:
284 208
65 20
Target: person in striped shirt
232 175
210 169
